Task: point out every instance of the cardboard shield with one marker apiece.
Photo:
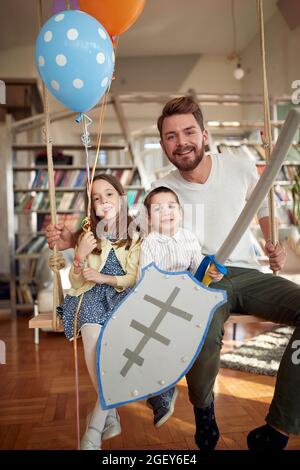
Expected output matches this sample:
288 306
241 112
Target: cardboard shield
153 337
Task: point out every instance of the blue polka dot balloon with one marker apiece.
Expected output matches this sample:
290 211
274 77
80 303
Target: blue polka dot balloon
75 59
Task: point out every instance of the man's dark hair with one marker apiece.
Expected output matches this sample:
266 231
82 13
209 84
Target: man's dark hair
183 105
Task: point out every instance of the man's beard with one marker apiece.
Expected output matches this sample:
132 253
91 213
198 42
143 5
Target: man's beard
191 163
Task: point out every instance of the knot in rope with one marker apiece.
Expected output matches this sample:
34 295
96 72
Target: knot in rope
56 262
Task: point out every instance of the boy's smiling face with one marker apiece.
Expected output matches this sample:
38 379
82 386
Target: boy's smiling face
165 213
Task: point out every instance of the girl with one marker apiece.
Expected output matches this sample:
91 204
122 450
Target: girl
104 269
171 248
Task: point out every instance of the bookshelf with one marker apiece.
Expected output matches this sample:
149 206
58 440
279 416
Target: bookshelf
7 278
31 201
282 185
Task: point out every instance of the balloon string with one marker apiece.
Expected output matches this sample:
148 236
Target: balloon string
101 117
86 142
115 44
99 138
75 351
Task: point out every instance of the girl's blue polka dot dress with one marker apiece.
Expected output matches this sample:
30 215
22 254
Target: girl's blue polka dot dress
98 303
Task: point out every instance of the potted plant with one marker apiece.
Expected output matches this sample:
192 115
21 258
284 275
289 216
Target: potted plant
296 197
293 242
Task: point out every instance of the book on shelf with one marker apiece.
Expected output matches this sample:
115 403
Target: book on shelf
66 201
37 201
77 178
25 293
25 288
252 152
294 154
283 194
34 245
32 268
19 294
78 202
255 151
80 179
286 173
37 245
40 179
291 171
258 246
284 215
126 177
134 197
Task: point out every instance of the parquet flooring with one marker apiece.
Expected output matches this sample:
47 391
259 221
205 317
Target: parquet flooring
37 400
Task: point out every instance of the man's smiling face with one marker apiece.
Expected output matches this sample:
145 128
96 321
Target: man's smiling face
183 141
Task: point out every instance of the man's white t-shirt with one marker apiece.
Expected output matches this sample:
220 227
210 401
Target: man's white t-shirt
212 208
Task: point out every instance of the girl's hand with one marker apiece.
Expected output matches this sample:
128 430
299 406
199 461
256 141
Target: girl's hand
86 245
92 275
215 275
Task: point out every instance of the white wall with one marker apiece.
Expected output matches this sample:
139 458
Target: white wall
17 63
214 74
210 74
207 74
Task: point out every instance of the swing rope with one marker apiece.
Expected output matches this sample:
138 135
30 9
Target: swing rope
267 137
267 144
56 260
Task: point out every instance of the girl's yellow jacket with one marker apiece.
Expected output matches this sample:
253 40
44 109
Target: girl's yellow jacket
129 260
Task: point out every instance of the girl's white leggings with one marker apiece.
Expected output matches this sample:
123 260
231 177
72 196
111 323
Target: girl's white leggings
90 335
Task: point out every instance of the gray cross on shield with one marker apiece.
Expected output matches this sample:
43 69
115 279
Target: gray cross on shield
154 336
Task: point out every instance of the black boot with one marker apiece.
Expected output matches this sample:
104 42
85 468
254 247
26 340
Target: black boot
266 438
207 432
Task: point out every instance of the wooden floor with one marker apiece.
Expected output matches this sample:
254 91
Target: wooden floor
37 401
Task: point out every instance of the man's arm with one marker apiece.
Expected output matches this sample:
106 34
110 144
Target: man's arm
264 223
60 235
276 254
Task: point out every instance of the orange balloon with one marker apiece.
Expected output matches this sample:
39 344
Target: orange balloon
115 15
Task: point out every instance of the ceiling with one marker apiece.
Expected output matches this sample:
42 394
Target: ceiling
166 27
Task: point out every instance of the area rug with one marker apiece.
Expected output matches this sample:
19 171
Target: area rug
259 355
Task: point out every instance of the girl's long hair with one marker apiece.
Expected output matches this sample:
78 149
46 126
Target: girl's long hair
123 219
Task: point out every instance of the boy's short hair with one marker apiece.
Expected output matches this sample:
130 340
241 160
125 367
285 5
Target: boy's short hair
158 190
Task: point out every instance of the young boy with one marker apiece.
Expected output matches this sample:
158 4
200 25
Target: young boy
171 248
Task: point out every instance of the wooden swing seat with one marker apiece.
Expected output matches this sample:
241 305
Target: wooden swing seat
43 315
42 320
